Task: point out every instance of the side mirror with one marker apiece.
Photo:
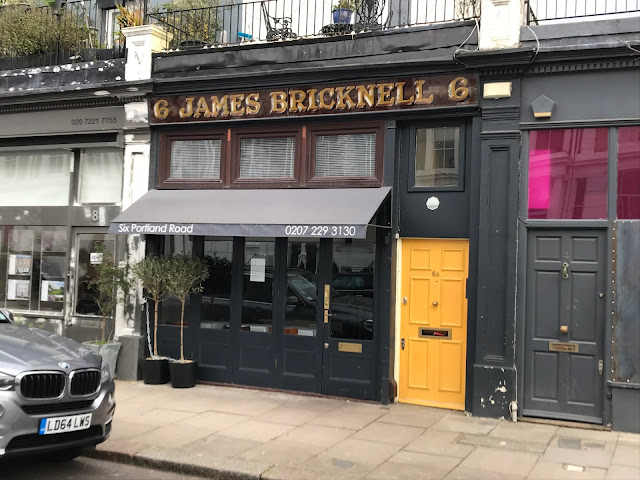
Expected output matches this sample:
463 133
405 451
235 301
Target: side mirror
293 300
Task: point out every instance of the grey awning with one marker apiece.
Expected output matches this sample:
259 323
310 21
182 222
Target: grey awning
329 213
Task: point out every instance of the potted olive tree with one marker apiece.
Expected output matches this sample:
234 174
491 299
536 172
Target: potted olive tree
185 275
151 271
111 286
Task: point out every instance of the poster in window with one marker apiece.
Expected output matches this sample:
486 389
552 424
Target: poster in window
95 258
258 267
19 264
18 289
52 291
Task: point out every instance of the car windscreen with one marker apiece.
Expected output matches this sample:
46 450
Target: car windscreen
304 284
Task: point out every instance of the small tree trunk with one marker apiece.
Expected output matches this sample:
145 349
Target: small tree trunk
155 328
104 327
182 332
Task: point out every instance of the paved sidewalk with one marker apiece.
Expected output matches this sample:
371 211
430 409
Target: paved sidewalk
237 433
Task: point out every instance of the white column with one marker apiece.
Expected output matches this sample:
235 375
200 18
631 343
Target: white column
142 41
500 23
137 148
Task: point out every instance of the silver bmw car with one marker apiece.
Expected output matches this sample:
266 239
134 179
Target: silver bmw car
55 396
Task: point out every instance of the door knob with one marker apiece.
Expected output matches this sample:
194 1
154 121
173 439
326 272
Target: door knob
404 300
435 303
564 329
326 345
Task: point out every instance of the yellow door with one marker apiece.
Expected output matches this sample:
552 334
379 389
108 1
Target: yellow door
433 329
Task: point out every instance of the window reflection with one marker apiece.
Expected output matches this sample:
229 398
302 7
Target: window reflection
302 288
170 308
352 291
216 291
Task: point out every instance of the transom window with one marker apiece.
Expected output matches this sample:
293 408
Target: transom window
304 155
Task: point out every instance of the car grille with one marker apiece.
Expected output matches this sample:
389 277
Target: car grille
85 383
32 441
42 385
49 408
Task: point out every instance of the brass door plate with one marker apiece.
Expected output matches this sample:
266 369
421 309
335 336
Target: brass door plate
563 347
350 347
327 293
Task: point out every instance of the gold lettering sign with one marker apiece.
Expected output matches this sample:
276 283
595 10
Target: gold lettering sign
405 93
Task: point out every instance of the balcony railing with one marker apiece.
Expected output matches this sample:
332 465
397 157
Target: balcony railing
545 10
34 36
276 20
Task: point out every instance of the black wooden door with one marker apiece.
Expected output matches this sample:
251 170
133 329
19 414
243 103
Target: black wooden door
349 353
565 309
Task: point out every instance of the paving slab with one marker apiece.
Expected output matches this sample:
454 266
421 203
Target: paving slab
465 473
559 471
501 461
501 443
122 429
440 442
616 472
215 421
172 436
318 435
256 430
412 465
524 431
414 416
222 446
586 434
580 457
157 416
389 433
290 415
627 456
251 407
629 439
281 452
351 456
464 424
353 419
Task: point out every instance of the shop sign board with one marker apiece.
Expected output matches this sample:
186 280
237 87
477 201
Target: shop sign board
407 93
87 120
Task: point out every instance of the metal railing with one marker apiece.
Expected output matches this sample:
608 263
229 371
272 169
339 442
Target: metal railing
76 31
229 23
545 10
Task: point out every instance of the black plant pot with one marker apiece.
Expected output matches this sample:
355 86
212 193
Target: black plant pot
183 375
155 371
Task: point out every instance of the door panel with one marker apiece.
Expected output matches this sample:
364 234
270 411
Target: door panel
349 352
564 310
434 323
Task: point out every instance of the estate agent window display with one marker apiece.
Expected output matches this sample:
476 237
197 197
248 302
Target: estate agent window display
34 259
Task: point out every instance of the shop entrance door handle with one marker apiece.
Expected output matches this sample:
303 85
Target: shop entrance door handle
402 343
565 270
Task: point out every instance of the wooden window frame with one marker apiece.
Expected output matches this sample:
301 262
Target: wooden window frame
164 168
237 135
462 143
311 180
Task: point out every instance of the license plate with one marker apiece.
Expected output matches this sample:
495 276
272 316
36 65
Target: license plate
65 424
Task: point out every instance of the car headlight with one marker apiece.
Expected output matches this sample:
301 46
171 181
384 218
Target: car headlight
7 381
105 375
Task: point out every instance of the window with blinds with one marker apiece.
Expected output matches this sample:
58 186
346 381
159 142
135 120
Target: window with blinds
267 157
352 155
195 159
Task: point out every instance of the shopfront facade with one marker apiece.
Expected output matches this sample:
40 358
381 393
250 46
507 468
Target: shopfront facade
62 165
295 191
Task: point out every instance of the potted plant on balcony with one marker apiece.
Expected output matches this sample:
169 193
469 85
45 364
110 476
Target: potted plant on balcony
111 286
343 10
193 23
151 271
185 275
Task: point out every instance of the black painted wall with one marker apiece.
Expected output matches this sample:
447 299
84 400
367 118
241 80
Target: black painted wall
493 370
